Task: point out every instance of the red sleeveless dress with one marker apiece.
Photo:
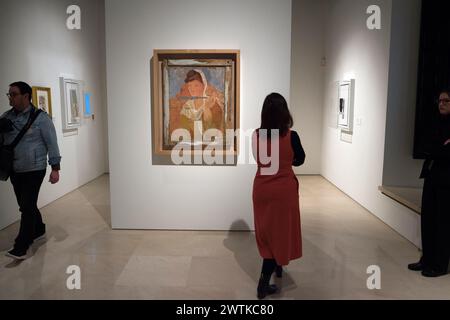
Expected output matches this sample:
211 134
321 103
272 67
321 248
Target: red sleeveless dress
276 206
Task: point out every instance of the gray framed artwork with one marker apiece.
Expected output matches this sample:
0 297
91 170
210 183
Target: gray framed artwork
71 103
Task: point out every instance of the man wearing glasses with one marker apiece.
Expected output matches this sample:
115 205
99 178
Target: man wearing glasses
30 163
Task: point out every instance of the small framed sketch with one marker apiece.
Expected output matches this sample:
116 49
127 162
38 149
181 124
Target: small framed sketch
71 103
42 99
346 105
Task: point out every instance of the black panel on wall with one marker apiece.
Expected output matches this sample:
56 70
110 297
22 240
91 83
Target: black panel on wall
434 67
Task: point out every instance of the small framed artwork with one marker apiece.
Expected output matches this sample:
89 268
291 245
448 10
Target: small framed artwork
195 92
42 99
71 103
346 105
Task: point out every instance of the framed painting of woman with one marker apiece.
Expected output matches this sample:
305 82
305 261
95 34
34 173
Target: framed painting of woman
42 99
195 92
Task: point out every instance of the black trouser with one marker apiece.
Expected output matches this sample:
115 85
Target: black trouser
26 187
435 222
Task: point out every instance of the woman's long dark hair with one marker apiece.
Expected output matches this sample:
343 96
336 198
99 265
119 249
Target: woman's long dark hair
275 114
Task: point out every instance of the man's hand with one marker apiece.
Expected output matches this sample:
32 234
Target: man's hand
447 142
54 177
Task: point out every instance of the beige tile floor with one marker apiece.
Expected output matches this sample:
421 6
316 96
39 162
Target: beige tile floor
340 240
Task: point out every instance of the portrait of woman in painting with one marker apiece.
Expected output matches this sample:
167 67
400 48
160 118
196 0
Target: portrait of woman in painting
197 103
75 110
42 103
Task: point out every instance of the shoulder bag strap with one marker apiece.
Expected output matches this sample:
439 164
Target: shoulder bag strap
33 116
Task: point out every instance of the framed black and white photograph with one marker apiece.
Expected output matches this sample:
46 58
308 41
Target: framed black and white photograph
346 105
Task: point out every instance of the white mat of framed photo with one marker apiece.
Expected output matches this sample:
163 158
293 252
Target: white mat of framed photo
72 100
346 105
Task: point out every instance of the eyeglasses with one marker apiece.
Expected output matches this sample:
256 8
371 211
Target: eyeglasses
444 101
13 95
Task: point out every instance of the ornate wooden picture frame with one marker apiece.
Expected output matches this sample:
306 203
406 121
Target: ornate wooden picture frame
195 95
42 99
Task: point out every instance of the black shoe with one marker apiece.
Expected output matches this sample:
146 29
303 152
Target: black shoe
418 266
264 288
430 273
17 254
279 271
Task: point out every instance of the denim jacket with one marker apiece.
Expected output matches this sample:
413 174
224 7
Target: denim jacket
31 152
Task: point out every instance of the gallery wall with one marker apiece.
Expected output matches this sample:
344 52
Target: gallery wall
354 51
145 195
307 76
38 48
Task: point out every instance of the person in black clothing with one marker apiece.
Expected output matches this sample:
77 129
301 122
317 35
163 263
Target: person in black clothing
435 216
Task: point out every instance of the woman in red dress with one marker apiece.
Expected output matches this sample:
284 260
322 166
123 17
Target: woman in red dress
275 191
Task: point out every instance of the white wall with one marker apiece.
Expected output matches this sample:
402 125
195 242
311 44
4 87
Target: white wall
147 196
400 169
38 48
307 75
353 51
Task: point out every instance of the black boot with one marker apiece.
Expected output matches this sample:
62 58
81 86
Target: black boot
279 271
430 273
264 288
418 266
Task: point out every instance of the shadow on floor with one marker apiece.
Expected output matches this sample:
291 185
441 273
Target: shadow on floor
98 200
